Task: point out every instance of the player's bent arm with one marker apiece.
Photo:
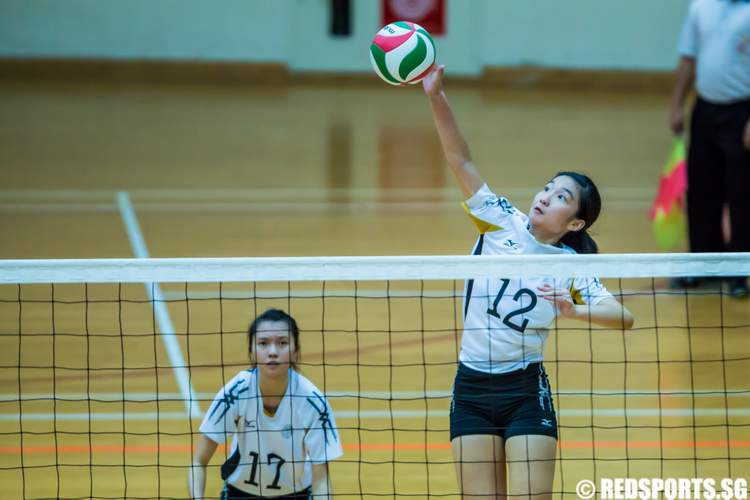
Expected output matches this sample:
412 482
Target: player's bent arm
321 483
608 313
204 450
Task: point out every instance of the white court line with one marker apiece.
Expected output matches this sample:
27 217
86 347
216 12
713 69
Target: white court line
385 396
269 194
567 412
264 194
309 199
277 207
149 397
233 207
376 414
160 309
93 416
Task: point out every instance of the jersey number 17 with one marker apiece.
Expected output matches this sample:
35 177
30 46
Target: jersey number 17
254 470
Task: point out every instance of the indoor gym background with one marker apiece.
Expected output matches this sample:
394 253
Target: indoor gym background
247 129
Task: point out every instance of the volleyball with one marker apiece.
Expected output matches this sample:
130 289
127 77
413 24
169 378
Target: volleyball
402 53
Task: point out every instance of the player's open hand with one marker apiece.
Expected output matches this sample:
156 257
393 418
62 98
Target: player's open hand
560 297
433 82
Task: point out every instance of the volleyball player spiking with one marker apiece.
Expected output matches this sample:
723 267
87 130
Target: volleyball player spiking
502 418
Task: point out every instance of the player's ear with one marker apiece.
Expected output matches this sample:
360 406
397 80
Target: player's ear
251 352
576 224
295 356
294 349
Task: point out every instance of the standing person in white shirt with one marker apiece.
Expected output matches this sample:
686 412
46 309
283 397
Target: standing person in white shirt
502 418
715 59
283 430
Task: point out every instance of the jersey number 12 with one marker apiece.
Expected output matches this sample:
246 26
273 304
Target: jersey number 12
507 320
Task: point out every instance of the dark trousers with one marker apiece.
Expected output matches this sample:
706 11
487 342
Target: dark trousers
718 174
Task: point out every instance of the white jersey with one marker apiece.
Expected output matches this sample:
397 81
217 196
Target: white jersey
505 322
717 34
272 456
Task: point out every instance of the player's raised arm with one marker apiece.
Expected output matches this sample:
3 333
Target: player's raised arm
454 145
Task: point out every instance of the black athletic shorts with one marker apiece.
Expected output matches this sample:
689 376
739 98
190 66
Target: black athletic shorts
516 403
229 492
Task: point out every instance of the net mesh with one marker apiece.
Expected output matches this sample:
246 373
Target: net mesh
102 394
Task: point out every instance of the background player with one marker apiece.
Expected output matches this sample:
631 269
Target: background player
284 432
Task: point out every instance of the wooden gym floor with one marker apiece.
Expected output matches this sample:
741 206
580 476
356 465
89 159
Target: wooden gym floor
315 170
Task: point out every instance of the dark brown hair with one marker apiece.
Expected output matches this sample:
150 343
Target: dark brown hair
589 207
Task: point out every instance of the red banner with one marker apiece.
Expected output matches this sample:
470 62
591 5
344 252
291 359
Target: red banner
429 14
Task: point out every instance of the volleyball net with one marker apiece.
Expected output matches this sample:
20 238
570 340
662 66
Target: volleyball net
107 367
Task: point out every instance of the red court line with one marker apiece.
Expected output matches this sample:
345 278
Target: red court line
655 444
181 448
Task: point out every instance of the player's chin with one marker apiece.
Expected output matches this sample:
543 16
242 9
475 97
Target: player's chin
275 367
536 219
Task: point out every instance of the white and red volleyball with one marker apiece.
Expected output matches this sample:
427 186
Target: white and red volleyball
402 53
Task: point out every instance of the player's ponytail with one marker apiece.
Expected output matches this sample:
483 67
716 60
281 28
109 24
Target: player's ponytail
580 241
589 206
276 315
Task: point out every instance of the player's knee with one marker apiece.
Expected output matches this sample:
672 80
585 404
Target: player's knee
475 485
